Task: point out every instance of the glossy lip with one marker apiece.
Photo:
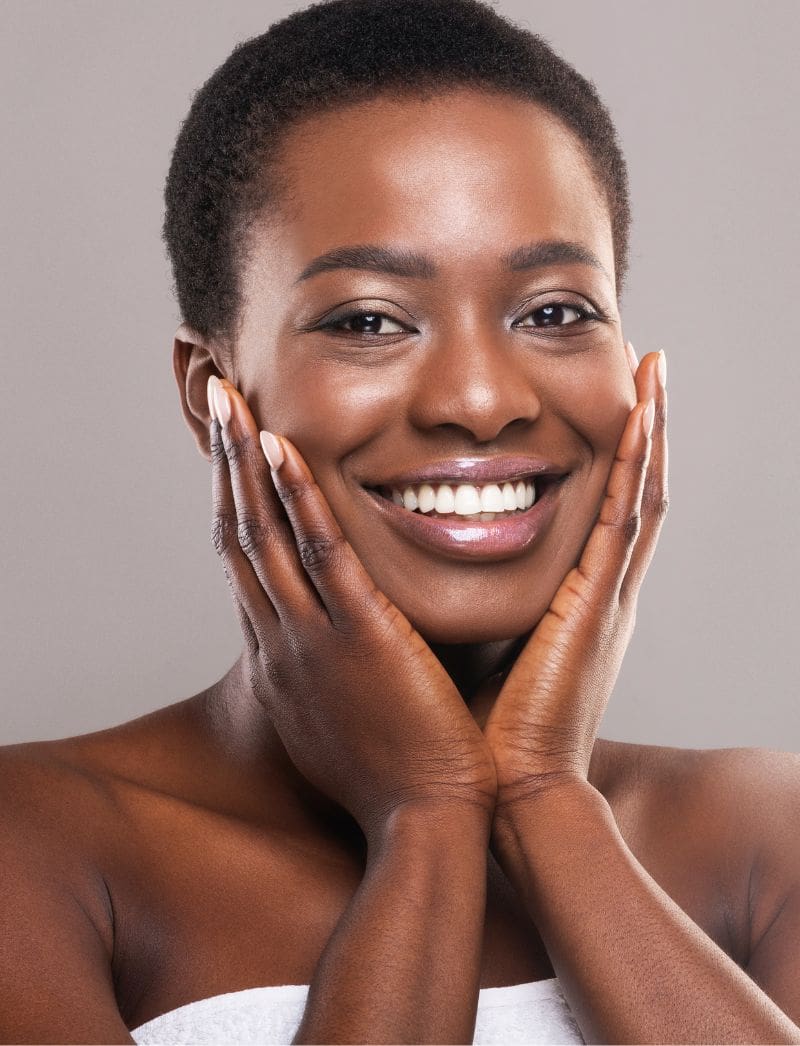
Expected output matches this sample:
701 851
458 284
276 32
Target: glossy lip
504 469
471 538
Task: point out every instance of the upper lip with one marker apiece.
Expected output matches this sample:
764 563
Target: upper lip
475 470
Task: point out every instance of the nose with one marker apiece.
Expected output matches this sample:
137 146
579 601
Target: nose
474 380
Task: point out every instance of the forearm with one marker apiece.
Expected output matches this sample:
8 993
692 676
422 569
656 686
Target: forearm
633 966
403 964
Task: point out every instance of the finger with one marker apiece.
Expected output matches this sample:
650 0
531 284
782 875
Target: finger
607 553
655 501
248 596
252 606
264 534
345 587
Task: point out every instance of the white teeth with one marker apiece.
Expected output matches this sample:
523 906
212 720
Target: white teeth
467 500
492 498
426 500
409 498
445 499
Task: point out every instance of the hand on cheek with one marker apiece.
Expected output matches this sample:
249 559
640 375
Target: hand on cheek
543 725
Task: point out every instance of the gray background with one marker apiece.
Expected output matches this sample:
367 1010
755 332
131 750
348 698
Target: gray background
113 600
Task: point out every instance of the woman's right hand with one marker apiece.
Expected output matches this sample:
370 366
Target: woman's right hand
365 710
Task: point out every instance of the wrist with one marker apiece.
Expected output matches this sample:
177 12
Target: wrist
542 801
435 827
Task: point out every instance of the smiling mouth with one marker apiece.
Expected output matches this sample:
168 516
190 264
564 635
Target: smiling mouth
485 502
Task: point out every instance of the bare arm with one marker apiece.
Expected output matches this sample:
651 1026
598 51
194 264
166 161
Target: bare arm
633 965
55 940
403 965
369 716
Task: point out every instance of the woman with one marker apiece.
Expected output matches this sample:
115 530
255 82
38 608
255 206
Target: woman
399 236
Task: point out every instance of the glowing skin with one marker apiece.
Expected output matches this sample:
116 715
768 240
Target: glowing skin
464 179
660 885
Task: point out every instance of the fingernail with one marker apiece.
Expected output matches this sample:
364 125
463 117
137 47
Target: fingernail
212 382
222 403
648 417
633 352
273 451
662 369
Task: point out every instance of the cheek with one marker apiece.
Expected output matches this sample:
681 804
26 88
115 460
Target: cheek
597 413
330 411
597 406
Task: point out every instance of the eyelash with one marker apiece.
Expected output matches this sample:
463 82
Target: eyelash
336 325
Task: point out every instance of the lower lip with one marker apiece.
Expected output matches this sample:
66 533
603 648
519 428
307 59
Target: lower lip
471 538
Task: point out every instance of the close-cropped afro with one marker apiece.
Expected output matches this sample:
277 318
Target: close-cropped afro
323 57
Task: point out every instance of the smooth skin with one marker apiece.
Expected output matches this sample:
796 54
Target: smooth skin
396 793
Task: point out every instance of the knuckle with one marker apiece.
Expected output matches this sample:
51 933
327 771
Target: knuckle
237 451
253 534
318 553
294 491
630 527
217 447
223 533
656 504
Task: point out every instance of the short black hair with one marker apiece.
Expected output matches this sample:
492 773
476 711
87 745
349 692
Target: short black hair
332 54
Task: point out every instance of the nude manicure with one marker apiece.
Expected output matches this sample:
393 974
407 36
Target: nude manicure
662 369
210 390
222 402
273 451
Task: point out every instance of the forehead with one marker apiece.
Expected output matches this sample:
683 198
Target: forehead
468 174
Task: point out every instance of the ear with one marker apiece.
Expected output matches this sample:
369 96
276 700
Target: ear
193 362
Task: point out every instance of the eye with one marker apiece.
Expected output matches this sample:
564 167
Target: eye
558 314
365 323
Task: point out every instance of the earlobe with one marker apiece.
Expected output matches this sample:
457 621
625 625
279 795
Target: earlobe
193 363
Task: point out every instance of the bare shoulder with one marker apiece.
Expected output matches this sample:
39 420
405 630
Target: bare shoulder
58 914
65 840
114 790
752 790
93 764
56 804
65 794
46 785
716 828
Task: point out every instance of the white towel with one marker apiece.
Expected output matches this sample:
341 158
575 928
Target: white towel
519 1013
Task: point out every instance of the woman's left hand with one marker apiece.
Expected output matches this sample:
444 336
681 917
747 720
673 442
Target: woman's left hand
544 721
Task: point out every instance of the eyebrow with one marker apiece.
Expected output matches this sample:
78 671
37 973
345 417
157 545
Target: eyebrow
400 262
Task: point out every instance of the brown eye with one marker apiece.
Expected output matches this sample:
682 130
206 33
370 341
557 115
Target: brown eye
556 315
367 323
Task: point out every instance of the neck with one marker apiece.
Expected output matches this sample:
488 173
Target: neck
472 665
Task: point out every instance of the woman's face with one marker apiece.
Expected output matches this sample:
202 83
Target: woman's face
456 360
